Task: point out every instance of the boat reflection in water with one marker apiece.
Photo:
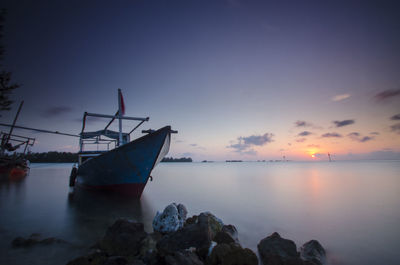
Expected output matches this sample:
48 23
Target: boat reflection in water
91 211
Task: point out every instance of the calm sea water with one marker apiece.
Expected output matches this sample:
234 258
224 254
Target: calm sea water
352 208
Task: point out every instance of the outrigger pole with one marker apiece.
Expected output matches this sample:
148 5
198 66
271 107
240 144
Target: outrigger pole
38 130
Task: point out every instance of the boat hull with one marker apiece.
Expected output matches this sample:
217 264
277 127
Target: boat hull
125 169
13 170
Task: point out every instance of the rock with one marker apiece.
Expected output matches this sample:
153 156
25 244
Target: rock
275 250
231 254
123 238
228 234
96 258
148 250
34 239
197 235
183 258
313 251
116 260
149 244
171 219
214 222
191 220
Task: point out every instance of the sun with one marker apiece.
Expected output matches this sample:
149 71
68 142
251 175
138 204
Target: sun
313 155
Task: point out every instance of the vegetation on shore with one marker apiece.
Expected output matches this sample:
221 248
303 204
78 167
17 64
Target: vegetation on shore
67 157
171 159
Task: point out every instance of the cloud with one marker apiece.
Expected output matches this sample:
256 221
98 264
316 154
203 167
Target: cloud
331 135
198 146
395 128
302 124
355 136
305 133
374 133
366 139
301 140
245 144
340 97
179 141
313 145
387 94
343 123
56 111
395 117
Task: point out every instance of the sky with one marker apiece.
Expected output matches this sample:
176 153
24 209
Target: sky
249 80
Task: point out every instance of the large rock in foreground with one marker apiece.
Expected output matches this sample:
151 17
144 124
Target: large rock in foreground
198 235
231 254
183 258
275 250
123 238
313 251
228 234
171 219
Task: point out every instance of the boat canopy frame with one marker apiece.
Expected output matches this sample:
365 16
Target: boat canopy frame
118 138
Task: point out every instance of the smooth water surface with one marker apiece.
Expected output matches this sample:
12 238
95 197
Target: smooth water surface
352 208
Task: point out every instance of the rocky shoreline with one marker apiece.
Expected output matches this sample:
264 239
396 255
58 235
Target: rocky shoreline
198 240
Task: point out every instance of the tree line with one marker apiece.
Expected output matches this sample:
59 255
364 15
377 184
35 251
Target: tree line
171 159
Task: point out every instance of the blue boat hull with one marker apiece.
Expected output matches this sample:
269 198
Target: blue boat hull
126 169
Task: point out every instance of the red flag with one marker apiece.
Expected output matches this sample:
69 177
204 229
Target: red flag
122 104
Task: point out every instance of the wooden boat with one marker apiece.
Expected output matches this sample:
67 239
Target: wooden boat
14 167
125 169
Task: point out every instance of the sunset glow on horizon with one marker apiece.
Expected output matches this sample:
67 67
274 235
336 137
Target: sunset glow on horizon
248 80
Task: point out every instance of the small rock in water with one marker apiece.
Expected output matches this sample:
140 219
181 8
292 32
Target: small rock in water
34 239
171 219
314 252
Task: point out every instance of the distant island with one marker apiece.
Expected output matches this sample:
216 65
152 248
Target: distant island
234 161
182 159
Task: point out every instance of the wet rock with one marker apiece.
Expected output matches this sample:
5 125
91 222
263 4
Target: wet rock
228 234
183 258
231 254
275 250
34 239
123 238
313 251
171 219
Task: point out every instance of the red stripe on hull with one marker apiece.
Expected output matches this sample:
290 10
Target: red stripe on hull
129 189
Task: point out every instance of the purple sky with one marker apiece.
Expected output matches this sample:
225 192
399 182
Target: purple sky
237 79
